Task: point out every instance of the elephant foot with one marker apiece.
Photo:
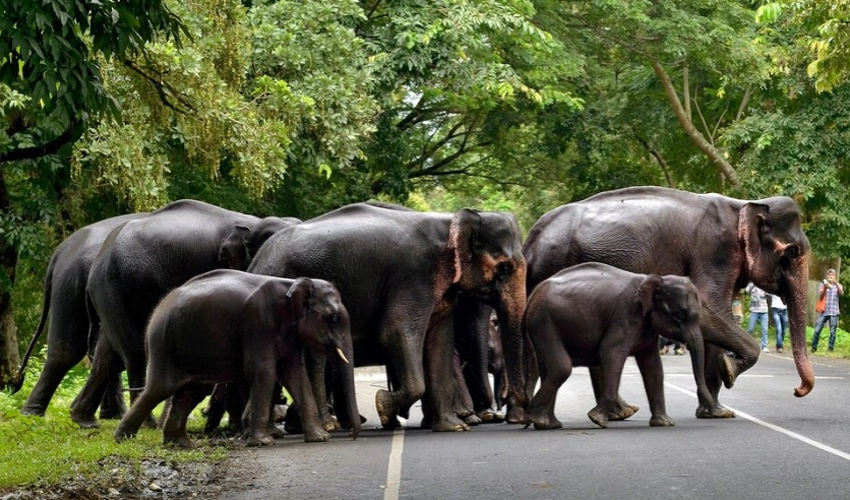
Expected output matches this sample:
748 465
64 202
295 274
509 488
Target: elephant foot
84 421
720 411
317 436
178 441
150 423
345 424
122 434
259 439
622 410
598 417
661 421
728 370
450 424
515 415
274 432
34 410
112 413
492 416
542 420
330 424
387 411
472 419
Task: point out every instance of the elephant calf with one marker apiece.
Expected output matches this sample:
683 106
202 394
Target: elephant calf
596 315
229 326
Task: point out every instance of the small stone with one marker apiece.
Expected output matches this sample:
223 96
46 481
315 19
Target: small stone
113 492
154 487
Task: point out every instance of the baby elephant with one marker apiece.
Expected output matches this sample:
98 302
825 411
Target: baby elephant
596 315
229 326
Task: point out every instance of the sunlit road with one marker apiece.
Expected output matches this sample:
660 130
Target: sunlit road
779 447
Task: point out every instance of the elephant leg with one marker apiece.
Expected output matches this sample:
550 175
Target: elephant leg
554 365
652 372
105 366
463 400
713 357
611 370
174 424
406 355
441 385
214 410
293 375
112 406
66 347
153 395
622 408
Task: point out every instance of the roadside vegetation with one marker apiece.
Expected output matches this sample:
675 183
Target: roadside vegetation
53 454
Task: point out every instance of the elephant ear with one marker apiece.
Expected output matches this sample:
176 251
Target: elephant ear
753 225
299 297
646 293
233 253
462 234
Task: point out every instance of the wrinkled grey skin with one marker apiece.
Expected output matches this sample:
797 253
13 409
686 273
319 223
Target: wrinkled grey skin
64 304
597 315
399 273
233 327
138 264
720 243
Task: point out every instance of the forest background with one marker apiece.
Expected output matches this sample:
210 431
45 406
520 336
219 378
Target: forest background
296 107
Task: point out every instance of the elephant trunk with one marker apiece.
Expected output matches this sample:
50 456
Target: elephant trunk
696 347
346 371
797 305
510 312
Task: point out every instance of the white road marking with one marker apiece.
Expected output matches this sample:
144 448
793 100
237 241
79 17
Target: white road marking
804 439
394 466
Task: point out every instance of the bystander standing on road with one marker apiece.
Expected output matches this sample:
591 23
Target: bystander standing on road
758 313
780 321
829 289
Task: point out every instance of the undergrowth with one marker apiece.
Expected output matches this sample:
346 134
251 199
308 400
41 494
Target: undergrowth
53 449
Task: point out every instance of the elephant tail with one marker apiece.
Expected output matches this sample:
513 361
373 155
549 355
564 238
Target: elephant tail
18 382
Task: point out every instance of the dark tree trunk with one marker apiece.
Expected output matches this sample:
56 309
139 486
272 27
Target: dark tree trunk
9 356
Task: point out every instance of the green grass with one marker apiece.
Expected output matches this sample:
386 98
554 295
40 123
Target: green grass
52 449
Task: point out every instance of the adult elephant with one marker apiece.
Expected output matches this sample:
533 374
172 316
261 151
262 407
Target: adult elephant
64 305
399 273
138 264
720 243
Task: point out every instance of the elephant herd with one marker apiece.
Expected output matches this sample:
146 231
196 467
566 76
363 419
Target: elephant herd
193 295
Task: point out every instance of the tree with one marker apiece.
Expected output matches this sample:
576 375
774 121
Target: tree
50 86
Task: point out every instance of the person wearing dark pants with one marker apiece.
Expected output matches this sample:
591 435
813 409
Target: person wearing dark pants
830 288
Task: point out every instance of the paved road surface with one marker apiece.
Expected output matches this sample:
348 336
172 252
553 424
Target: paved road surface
779 447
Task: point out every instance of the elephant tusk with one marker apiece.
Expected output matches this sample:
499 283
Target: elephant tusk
341 355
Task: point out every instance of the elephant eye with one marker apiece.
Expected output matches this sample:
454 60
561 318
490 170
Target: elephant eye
792 251
334 319
505 269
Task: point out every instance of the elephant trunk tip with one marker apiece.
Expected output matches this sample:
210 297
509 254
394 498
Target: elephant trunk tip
804 389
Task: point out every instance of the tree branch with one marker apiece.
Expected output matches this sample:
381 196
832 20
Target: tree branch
723 166
665 168
746 100
70 135
161 88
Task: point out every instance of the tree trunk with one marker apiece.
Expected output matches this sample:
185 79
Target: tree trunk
9 355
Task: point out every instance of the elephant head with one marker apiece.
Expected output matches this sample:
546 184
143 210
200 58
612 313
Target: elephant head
672 308
242 244
489 266
323 327
776 254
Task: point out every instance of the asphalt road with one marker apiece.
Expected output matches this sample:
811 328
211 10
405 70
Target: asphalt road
779 447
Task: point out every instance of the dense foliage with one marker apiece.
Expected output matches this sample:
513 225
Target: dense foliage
296 107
